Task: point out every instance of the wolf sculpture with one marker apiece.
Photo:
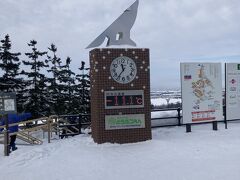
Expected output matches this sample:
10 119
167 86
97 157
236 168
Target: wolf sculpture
118 33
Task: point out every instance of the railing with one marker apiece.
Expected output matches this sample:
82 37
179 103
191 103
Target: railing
70 125
46 125
53 123
178 117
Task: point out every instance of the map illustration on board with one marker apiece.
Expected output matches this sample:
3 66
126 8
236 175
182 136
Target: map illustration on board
9 105
202 87
201 92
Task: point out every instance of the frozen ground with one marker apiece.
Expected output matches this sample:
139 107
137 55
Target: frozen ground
171 155
161 101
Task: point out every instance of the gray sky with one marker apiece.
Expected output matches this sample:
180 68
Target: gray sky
174 30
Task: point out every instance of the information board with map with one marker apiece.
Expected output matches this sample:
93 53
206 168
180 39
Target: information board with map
201 85
7 103
232 91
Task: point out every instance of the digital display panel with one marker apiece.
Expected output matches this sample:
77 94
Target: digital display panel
124 99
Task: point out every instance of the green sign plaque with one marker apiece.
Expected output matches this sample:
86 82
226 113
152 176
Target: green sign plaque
127 121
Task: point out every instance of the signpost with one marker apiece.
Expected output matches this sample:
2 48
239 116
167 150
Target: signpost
7 105
232 85
201 92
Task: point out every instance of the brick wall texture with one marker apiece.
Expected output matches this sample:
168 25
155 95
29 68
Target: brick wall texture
101 81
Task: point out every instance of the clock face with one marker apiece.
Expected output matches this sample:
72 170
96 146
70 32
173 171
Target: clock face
123 69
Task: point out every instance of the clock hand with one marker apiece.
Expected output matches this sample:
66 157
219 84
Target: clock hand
121 71
119 75
122 67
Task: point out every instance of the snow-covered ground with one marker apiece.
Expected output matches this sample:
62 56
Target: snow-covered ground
161 101
171 155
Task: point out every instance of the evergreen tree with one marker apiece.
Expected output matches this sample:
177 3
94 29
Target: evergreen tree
9 75
66 86
54 89
9 64
35 92
83 91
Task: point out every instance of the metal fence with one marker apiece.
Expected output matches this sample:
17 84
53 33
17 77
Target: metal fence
161 119
70 125
176 120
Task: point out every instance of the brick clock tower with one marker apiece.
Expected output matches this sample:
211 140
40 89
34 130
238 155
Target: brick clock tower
120 95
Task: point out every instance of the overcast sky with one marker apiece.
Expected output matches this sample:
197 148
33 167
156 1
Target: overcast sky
174 30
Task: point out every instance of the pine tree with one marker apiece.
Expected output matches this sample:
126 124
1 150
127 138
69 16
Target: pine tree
83 90
9 63
35 93
9 75
54 89
66 86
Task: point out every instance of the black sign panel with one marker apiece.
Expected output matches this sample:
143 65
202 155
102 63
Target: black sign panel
124 99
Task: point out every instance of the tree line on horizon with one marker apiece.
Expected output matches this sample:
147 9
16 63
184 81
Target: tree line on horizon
58 91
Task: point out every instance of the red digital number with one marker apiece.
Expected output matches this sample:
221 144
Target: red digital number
123 100
139 101
131 100
116 100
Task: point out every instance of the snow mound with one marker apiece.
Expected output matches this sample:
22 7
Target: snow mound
163 101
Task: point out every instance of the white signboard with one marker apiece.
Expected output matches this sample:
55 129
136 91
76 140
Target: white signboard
232 91
201 92
7 103
127 121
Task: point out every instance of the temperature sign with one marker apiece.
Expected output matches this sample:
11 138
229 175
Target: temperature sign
124 99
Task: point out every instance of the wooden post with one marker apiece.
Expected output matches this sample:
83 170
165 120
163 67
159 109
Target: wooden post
79 123
6 142
51 128
6 138
48 127
43 134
